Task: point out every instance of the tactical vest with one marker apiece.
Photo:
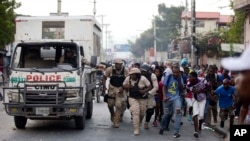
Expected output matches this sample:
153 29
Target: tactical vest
117 79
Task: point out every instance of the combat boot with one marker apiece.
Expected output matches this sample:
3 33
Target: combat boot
116 125
136 131
146 125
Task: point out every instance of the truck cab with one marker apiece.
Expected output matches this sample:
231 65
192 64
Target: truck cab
43 85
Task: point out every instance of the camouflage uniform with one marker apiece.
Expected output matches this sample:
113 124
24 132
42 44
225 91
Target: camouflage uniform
116 100
137 106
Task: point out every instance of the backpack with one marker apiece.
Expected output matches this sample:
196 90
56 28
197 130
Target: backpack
169 77
148 76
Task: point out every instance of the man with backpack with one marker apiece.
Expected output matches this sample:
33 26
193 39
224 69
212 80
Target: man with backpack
173 85
150 105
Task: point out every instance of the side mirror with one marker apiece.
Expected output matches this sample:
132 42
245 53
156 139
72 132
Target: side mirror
93 61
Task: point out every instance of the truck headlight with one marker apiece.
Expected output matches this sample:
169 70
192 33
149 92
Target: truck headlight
14 97
72 94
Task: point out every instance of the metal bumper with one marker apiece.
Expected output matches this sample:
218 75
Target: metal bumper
43 103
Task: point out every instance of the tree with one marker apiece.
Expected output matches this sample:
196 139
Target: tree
166 30
7 19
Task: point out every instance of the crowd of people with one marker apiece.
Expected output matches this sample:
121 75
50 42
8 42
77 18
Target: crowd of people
169 92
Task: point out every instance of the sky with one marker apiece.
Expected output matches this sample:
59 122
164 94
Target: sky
127 19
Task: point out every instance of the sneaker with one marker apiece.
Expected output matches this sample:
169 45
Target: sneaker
177 135
155 124
196 135
161 131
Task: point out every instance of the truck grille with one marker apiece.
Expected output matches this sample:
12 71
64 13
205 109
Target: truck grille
44 98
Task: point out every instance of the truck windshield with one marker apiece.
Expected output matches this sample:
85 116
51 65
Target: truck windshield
45 56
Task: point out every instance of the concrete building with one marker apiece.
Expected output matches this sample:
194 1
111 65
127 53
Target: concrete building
244 5
205 22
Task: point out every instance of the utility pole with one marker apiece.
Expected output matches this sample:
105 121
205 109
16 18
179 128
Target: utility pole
59 7
155 49
106 47
193 27
102 40
186 20
94 10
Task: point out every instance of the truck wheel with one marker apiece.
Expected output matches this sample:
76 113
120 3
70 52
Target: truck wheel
20 122
89 108
80 121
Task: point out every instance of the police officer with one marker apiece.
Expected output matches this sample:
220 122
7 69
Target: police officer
150 105
137 86
116 96
71 58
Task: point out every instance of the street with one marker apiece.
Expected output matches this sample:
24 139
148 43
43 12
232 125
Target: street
98 128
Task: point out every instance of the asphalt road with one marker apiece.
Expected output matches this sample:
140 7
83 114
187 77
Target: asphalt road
97 129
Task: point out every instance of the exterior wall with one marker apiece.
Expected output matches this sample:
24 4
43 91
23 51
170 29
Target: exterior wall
244 5
210 61
210 25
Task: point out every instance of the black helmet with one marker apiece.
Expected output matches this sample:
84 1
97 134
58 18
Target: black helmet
145 68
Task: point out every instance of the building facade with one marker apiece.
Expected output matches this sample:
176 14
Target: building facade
244 5
205 22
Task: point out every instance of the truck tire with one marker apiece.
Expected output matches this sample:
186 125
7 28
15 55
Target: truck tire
89 109
20 122
80 122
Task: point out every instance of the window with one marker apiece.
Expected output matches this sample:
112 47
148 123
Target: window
53 29
200 23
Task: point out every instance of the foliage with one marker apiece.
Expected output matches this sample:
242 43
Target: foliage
235 34
166 30
7 18
210 42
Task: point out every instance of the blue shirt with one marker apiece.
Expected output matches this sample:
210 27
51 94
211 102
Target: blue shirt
171 85
225 96
222 77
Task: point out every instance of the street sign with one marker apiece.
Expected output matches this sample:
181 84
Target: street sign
235 47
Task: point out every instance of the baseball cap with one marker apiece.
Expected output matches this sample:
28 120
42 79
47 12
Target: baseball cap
237 63
118 61
134 70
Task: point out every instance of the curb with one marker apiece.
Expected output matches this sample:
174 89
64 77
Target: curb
220 131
